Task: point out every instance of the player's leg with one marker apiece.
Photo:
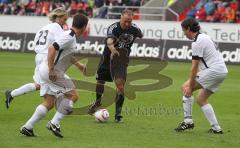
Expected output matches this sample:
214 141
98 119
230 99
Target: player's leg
99 92
187 108
26 88
40 112
64 106
208 111
210 82
103 75
118 67
119 82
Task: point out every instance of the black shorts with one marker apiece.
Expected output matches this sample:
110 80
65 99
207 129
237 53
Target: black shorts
113 69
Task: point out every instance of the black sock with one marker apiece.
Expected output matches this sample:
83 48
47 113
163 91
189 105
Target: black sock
99 91
98 97
119 103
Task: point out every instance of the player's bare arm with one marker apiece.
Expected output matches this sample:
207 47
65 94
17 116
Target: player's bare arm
194 69
80 66
51 57
110 44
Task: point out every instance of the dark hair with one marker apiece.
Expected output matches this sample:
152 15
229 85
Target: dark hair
192 24
127 11
79 21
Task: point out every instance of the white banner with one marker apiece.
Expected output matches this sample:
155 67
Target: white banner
172 30
220 32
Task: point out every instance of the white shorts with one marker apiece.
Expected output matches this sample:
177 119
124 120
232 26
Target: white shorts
62 85
210 80
39 58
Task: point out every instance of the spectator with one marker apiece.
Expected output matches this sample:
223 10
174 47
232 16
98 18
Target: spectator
45 7
92 8
4 1
21 9
229 15
201 14
136 15
6 9
218 15
73 8
98 3
209 7
234 5
227 11
192 12
31 7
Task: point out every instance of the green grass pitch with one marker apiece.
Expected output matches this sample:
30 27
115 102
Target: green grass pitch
138 129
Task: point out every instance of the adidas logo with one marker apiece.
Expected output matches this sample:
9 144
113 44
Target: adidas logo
144 51
8 44
30 45
183 53
136 51
231 56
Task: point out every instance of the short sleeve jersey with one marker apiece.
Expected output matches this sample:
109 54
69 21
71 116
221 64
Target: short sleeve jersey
46 36
205 50
122 38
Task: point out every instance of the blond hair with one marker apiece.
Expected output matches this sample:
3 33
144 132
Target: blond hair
58 12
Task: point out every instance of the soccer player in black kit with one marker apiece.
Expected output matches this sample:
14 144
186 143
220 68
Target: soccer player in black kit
115 58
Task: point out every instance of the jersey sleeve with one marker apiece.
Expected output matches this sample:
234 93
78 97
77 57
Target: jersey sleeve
138 33
197 50
112 31
63 41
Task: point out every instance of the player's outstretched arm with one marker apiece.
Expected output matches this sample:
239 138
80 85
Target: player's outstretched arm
110 44
80 66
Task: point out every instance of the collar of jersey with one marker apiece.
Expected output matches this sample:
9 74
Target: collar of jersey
72 31
60 25
196 37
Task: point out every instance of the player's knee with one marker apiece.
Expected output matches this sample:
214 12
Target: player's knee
200 101
65 107
183 87
72 95
75 97
48 103
120 88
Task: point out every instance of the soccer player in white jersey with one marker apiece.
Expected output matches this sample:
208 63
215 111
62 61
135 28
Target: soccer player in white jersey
207 73
56 87
43 38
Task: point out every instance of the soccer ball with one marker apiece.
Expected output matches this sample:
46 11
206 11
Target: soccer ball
102 115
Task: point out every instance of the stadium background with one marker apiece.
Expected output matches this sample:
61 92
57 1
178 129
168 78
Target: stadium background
163 40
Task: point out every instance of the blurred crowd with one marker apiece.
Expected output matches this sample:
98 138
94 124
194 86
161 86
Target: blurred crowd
225 11
91 8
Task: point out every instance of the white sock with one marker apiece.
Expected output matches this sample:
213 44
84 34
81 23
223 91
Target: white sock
187 108
57 118
39 113
210 115
23 89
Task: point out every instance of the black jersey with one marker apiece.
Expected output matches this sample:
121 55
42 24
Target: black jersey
123 39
